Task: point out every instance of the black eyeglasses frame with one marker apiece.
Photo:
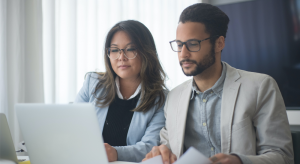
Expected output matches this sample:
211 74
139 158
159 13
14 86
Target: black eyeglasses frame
184 43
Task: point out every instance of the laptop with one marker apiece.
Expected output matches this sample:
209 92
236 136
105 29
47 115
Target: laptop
7 149
61 134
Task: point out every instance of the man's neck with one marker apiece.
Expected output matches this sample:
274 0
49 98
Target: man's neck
209 77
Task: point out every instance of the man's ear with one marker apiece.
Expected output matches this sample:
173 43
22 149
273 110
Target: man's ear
220 44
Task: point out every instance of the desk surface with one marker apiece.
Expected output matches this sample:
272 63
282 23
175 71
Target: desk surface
121 162
116 162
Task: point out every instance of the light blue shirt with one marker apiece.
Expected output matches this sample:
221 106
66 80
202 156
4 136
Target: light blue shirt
203 118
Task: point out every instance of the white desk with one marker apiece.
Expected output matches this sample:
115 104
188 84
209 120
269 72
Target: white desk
121 162
116 162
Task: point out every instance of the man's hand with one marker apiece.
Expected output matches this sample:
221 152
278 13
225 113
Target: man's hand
111 152
225 159
167 156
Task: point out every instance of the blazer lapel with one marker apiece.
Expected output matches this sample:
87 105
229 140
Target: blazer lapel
181 113
101 115
230 93
133 129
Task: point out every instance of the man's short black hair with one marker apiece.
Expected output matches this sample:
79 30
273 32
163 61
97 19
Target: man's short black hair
214 19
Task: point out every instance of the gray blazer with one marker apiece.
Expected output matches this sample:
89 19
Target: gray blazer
143 132
253 118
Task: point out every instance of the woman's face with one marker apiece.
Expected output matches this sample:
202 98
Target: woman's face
125 68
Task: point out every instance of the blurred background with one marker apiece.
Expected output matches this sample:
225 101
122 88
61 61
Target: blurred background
264 36
47 46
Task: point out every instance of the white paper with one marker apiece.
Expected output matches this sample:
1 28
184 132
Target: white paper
193 156
154 160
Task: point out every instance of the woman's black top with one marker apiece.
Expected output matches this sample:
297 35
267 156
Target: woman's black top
118 120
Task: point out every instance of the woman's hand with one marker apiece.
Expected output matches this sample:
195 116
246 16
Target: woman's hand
166 154
111 152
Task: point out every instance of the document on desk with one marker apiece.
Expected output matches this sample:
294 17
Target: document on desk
154 160
191 156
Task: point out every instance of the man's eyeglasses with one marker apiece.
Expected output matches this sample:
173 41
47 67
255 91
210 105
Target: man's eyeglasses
114 52
192 45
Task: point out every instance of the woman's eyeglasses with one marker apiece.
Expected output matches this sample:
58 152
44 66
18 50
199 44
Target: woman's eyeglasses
114 52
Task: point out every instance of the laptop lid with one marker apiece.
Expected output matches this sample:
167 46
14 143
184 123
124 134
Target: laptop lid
61 134
7 148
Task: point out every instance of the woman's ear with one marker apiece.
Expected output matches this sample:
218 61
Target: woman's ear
220 44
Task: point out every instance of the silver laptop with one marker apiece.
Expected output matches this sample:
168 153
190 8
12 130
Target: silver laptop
61 134
7 149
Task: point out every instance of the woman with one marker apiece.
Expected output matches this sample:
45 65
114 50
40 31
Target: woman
129 97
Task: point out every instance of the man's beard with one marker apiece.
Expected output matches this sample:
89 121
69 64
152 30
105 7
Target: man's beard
207 61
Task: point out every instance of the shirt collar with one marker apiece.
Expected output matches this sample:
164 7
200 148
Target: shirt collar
216 88
137 91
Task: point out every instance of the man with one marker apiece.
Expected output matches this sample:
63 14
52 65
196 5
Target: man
229 115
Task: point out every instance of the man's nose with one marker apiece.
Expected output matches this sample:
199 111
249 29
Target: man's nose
184 52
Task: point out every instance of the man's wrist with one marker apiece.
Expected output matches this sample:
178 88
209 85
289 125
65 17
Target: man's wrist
243 158
238 158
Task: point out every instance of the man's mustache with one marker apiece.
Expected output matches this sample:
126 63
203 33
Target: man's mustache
188 60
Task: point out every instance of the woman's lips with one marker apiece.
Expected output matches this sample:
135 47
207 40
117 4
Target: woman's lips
123 66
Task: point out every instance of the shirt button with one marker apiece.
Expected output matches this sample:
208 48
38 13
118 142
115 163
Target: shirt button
204 100
212 149
204 124
211 92
198 93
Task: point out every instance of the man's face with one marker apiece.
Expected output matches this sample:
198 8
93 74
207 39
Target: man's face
194 63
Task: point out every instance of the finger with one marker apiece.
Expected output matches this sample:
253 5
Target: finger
106 145
214 159
155 151
219 158
165 154
173 158
149 155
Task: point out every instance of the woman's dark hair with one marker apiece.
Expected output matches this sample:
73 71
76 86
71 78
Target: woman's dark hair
214 19
152 74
